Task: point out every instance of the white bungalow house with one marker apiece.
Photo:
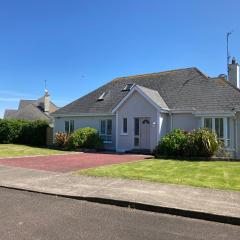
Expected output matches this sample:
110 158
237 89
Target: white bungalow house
135 112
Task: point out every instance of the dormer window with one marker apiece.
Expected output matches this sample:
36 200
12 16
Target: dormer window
101 97
128 87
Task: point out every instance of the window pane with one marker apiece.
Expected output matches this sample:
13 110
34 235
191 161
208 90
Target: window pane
136 126
124 125
103 127
103 137
208 123
136 142
67 126
106 130
109 127
71 126
108 138
219 127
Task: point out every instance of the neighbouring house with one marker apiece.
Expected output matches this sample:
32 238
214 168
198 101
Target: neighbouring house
39 109
135 112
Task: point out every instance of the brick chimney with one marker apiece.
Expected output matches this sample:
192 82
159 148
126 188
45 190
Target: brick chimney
233 73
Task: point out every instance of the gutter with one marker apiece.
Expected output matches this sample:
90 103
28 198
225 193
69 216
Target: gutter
82 115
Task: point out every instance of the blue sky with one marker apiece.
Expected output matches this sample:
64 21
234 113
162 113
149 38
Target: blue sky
80 45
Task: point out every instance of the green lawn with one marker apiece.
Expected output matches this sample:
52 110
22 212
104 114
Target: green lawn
220 175
13 150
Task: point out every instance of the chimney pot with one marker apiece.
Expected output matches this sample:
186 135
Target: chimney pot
223 76
234 60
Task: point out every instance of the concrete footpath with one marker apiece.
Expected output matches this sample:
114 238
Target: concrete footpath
201 203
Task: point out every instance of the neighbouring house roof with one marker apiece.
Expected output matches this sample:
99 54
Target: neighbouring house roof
24 103
40 103
31 110
179 89
9 113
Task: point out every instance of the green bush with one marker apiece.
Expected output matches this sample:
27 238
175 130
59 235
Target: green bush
198 143
85 138
23 132
10 130
202 143
172 144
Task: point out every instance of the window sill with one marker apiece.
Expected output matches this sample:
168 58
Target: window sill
107 142
230 149
123 134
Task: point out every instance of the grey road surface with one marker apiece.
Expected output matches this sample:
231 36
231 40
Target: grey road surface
33 216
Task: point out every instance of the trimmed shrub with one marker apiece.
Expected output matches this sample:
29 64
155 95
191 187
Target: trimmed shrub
62 139
172 144
85 138
23 132
198 143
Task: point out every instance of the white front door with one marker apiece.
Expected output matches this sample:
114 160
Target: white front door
145 133
142 133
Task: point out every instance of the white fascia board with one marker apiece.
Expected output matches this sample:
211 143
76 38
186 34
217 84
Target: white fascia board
182 111
215 114
136 88
205 113
82 115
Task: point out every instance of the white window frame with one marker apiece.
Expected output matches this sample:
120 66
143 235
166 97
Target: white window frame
134 134
70 122
122 128
105 134
225 138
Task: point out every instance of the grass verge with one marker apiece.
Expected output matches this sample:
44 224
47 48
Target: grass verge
15 150
219 175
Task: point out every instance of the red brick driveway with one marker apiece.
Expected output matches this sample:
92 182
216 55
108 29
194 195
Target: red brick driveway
70 162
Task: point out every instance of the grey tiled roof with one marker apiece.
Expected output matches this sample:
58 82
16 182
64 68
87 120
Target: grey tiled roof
30 110
180 89
154 96
23 103
9 113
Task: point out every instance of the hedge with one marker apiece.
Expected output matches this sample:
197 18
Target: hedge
23 132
